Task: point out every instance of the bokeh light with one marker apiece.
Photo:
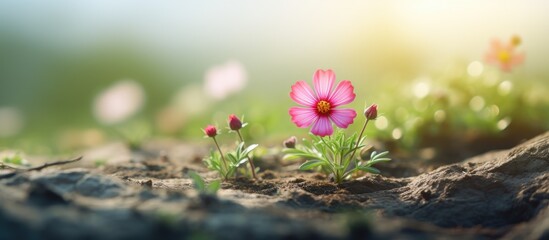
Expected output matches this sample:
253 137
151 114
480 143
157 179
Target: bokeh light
100 69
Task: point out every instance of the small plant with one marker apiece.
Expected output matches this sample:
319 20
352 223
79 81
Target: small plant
235 125
100 162
336 154
227 165
12 159
15 159
201 186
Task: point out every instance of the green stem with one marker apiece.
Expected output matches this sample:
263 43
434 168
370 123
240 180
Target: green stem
222 157
332 161
359 137
326 153
249 159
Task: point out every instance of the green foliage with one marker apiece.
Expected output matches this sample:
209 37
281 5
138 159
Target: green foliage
100 162
201 186
234 160
335 155
453 105
167 218
134 133
14 159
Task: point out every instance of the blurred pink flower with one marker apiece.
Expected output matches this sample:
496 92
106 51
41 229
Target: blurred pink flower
223 80
504 55
119 102
320 106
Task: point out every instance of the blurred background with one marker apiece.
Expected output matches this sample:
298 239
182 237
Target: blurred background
448 75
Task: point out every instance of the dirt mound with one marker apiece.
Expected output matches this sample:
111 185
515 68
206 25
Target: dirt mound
493 190
501 194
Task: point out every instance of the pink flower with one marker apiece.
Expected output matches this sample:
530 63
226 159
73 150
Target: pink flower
210 131
234 122
371 112
321 106
504 55
119 102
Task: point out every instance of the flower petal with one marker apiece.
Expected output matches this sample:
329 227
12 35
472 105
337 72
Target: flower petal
490 57
322 127
343 117
342 94
303 94
303 117
518 58
506 67
323 82
496 44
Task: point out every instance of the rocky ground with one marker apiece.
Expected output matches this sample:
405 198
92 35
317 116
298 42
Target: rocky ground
115 193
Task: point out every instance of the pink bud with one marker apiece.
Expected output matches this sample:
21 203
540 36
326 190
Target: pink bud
371 112
210 131
290 142
234 122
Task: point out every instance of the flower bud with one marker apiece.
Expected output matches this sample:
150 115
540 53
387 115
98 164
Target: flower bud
234 122
371 112
290 142
515 40
210 131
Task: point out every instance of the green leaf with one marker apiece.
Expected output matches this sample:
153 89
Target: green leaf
240 147
242 162
15 160
307 155
380 155
249 149
352 150
382 160
373 155
213 187
198 181
292 150
311 164
290 157
369 169
232 158
373 162
230 172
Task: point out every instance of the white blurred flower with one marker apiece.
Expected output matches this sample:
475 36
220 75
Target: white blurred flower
223 80
119 102
189 101
11 121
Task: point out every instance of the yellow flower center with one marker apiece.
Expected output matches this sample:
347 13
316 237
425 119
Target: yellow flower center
323 107
504 56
